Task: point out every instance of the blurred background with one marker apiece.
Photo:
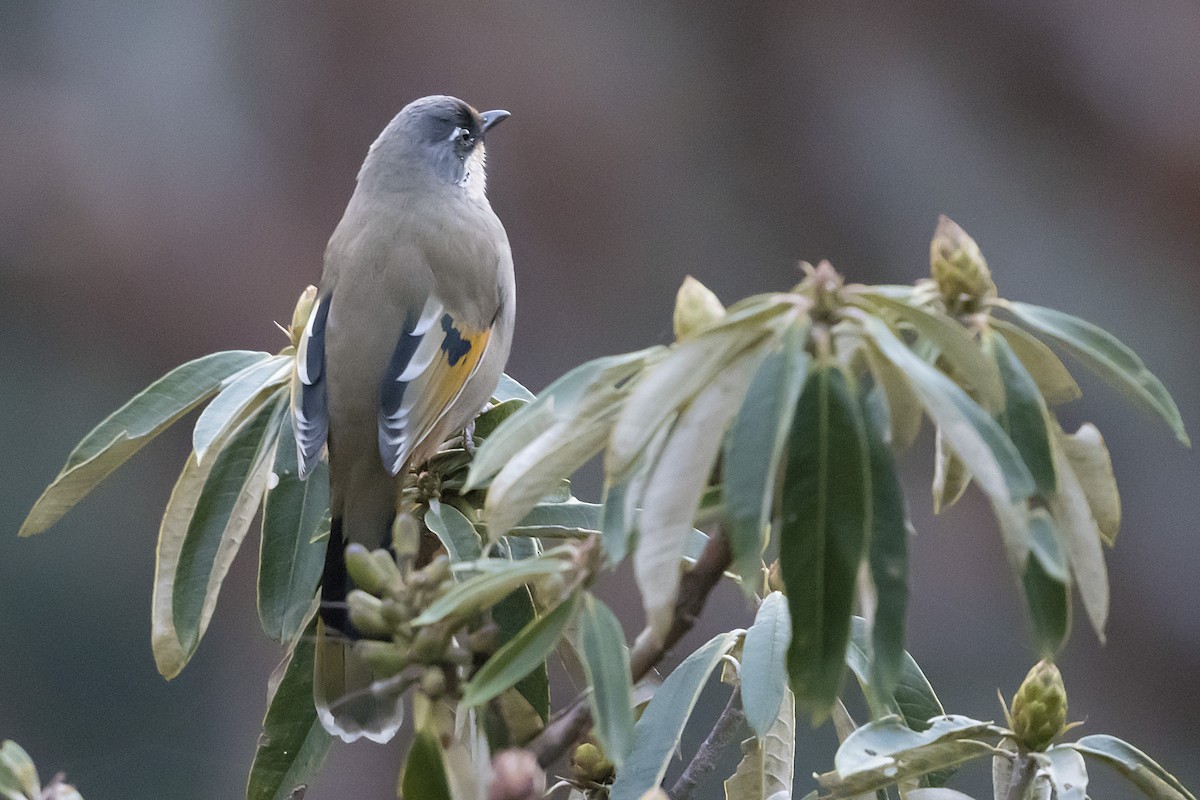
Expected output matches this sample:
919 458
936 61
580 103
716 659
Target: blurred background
171 173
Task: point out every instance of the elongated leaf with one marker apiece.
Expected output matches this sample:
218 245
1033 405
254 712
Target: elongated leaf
754 450
566 399
293 551
825 521
673 492
886 751
764 663
1133 765
223 513
1053 379
621 501
765 770
490 587
170 655
572 518
950 475
913 697
975 437
1068 773
227 407
1088 455
1047 586
510 389
606 662
1104 353
671 383
956 346
18 775
512 615
657 733
131 428
904 407
1081 539
1024 415
939 793
888 559
454 530
424 776
521 655
293 743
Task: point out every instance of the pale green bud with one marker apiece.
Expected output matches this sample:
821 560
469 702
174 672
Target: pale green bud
958 267
696 308
302 312
1039 708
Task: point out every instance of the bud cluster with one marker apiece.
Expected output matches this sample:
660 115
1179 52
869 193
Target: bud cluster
1039 708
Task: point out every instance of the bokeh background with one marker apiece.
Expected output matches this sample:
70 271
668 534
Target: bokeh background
170 172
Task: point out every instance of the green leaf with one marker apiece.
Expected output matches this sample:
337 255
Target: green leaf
1053 379
224 411
887 555
764 663
558 520
950 475
1133 765
765 770
1047 586
671 383
677 484
657 733
293 551
293 744
1080 537
424 776
521 655
606 662
1107 356
825 518
912 698
1068 773
956 345
487 422
1024 415
904 407
885 752
1089 459
974 436
511 615
170 655
454 531
562 401
492 586
18 776
131 428
224 510
754 450
932 793
510 389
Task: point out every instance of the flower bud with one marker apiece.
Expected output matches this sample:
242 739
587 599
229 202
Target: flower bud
366 612
957 266
1039 708
302 312
433 682
516 776
775 578
588 763
384 658
696 308
370 572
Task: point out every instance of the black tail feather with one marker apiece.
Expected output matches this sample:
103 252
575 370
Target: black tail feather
334 581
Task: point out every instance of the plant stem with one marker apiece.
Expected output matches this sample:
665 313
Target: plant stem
572 723
728 726
1024 767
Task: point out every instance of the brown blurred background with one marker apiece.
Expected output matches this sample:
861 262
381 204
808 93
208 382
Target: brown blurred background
170 173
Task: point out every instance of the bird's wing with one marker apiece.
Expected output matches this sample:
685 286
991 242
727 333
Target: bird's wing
436 355
310 405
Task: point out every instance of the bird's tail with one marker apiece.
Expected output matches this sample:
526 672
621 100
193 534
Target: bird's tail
350 702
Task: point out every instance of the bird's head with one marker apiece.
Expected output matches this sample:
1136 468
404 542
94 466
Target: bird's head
437 137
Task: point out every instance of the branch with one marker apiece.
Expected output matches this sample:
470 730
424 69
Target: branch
572 723
726 728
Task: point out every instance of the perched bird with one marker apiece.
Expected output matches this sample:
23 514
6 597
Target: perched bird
406 342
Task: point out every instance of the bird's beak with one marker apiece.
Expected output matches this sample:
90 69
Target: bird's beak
491 118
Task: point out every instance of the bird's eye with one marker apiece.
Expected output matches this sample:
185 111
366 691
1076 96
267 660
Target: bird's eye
464 136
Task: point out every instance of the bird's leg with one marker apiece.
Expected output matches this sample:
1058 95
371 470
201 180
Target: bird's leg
469 438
